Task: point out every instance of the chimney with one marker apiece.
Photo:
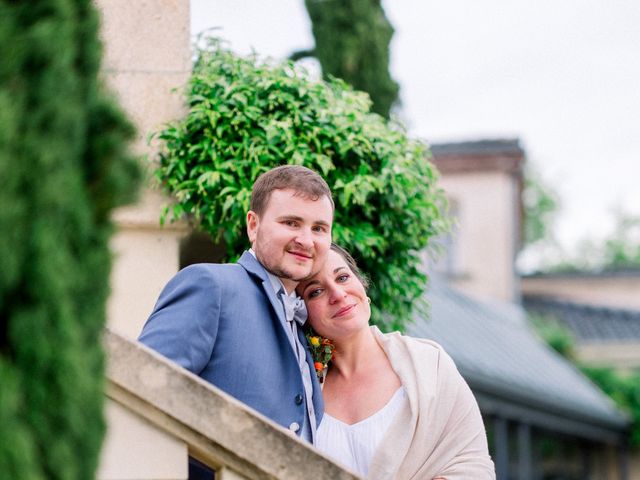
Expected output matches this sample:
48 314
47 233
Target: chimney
483 181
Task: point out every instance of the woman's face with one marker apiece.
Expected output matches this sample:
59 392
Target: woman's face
336 300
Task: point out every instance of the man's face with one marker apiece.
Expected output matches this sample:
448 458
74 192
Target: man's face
292 236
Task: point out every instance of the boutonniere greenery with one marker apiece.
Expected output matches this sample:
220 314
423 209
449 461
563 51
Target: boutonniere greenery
322 352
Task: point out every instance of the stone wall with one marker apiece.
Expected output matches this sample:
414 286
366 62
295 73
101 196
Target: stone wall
612 290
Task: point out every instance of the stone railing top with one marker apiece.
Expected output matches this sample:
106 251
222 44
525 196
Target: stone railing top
218 429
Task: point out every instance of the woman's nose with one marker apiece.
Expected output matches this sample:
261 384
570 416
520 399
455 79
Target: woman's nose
336 294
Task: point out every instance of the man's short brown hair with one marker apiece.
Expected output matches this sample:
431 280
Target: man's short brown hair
304 181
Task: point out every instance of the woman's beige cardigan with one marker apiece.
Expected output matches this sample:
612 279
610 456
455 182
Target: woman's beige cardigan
439 432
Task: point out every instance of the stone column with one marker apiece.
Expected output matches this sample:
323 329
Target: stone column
525 454
501 447
146 56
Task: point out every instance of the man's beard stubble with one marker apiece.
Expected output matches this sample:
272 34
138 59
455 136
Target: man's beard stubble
280 272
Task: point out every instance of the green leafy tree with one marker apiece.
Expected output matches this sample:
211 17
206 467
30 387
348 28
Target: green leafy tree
619 250
246 116
63 166
540 203
622 248
352 43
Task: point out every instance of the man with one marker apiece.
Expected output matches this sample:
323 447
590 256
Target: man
237 325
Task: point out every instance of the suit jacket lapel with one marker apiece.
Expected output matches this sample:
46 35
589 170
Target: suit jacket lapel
254 268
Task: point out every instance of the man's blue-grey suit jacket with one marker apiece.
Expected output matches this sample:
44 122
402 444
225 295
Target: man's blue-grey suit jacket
224 323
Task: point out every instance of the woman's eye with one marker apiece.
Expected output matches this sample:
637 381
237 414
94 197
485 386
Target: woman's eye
343 278
314 293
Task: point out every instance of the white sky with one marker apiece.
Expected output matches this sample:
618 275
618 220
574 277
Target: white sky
563 76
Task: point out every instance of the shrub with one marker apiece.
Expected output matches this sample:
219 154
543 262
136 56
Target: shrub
624 389
247 116
63 166
554 334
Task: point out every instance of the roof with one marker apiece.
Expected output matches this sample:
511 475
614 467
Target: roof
475 147
511 372
628 272
478 156
588 323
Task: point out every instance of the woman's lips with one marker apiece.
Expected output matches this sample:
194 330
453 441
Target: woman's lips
344 310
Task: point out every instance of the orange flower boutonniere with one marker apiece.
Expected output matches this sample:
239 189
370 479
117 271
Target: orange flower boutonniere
322 352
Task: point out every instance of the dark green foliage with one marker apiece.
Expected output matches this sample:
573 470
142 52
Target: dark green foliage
63 166
623 389
625 392
246 117
352 43
554 334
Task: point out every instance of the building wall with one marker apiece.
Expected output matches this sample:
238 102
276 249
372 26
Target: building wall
623 356
612 291
485 234
146 56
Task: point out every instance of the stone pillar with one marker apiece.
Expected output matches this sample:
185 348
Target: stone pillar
146 56
525 457
501 447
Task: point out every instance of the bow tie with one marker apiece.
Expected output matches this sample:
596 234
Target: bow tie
294 309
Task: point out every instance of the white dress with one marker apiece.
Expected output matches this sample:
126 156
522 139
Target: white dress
354 445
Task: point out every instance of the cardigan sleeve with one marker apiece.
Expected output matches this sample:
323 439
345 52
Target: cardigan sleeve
463 434
441 433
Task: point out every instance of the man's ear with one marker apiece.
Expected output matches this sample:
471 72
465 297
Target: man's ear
253 221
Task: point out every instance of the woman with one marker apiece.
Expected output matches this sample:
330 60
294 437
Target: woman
395 406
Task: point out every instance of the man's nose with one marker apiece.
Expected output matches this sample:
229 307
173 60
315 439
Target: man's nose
304 238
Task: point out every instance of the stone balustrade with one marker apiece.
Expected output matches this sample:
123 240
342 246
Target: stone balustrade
158 414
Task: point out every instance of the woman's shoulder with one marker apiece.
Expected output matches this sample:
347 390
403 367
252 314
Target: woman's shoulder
398 337
398 343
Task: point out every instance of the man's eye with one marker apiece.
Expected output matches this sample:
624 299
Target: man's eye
290 223
319 229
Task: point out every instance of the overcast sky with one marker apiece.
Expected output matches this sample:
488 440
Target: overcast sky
564 77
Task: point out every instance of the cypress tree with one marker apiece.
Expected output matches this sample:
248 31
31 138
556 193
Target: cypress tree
64 166
352 43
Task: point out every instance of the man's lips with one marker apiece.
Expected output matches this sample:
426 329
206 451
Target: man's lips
344 310
301 255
